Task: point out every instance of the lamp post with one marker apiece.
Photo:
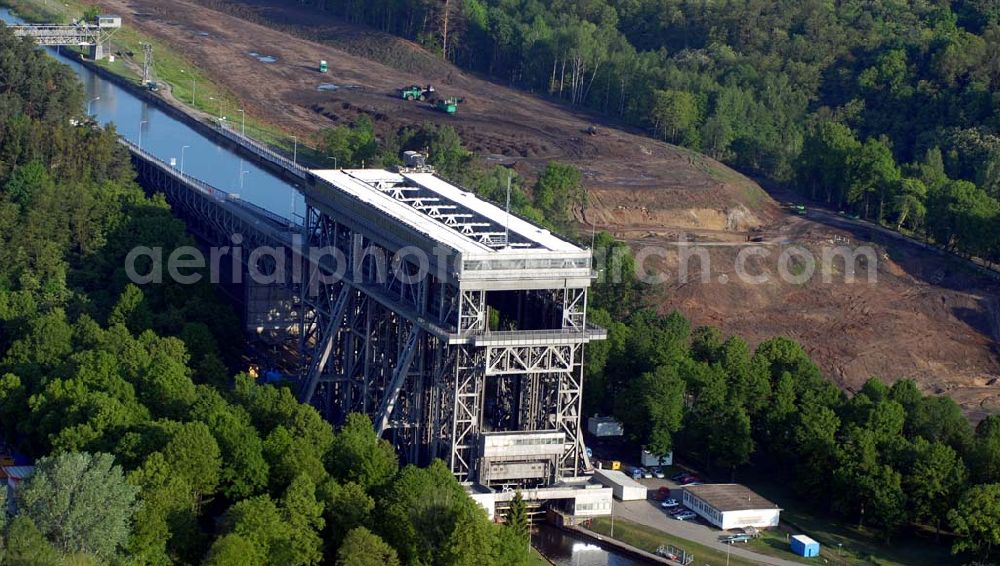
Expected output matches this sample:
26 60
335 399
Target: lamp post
295 150
243 173
141 122
91 103
334 160
193 85
183 147
220 107
243 127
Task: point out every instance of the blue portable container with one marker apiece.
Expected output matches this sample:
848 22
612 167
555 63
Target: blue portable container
805 546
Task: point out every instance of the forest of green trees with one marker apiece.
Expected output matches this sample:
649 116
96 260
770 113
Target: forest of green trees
147 451
150 452
886 109
888 458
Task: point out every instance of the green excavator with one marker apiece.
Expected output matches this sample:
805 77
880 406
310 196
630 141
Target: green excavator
448 105
416 92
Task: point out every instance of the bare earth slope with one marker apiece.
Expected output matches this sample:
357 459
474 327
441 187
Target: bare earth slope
926 318
626 173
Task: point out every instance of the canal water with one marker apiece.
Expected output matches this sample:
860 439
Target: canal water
165 137
566 550
170 139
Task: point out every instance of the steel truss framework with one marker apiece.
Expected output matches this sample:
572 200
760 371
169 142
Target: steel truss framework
405 352
81 34
415 354
451 214
214 216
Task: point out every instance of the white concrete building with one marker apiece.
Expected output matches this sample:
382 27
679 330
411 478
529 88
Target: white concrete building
581 499
15 475
650 459
731 506
604 426
624 487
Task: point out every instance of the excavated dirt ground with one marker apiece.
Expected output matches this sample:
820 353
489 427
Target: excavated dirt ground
630 176
941 334
927 317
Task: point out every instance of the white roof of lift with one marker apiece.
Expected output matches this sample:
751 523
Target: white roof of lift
525 229
395 209
350 181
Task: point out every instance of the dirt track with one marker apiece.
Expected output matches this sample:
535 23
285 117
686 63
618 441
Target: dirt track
900 325
939 333
503 124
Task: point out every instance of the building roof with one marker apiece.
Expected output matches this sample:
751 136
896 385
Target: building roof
729 497
368 194
19 472
418 194
618 477
535 234
804 539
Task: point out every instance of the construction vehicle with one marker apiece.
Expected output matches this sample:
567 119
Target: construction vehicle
448 105
416 92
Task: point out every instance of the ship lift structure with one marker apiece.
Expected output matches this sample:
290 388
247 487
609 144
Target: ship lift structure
96 34
456 326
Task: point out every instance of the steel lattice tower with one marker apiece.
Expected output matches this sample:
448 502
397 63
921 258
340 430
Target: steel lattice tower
461 335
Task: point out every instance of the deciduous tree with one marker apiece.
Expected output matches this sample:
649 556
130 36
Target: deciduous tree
362 547
976 520
80 502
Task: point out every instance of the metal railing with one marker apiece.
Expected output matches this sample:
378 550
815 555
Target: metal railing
262 150
207 189
540 337
49 34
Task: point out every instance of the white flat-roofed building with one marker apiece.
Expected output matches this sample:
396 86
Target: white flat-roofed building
604 426
580 499
731 506
109 22
474 241
623 487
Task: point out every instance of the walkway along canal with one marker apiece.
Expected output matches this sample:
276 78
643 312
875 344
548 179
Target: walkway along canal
174 141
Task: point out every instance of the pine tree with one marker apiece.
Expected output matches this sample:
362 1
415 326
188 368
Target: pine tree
517 516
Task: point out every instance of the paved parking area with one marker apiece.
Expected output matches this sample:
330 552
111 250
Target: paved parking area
649 513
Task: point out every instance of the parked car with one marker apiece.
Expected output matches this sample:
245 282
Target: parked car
659 473
646 473
689 479
689 484
677 476
732 539
662 493
636 473
668 503
685 516
678 510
